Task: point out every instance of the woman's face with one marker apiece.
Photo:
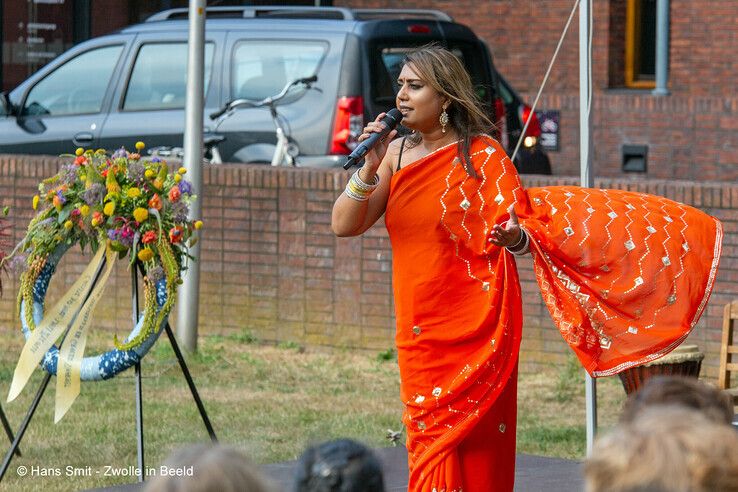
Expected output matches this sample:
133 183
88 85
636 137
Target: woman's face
419 103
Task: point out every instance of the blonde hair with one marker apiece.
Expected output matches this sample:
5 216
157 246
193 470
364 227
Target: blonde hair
444 72
685 391
667 448
215 468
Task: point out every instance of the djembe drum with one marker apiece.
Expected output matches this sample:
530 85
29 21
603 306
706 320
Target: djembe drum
685 360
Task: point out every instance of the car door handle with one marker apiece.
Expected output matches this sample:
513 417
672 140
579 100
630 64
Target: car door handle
82 139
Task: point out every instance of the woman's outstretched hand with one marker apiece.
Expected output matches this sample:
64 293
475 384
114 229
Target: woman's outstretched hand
374 157
508 233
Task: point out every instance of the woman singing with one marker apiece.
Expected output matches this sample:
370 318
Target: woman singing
624 275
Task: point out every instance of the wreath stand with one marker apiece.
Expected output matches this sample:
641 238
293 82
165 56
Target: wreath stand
139 395
8 430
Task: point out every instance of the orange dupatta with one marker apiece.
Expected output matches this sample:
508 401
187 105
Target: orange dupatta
625 276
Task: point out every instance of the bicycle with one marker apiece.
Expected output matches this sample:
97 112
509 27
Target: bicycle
285 151
211 153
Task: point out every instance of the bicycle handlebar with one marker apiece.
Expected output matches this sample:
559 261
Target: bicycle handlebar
268 101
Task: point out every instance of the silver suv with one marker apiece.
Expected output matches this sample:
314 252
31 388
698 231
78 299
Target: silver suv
130 85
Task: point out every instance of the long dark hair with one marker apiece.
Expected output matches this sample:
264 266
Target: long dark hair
444 72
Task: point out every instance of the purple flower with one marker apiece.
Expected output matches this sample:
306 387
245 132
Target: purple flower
121 152
94 194
155 159
125 236
61 197
136 171
185 187
180 211
68 174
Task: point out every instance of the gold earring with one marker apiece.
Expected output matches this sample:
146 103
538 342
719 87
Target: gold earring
443 120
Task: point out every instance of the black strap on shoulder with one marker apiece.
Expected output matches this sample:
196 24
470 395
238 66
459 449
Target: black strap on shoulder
399 157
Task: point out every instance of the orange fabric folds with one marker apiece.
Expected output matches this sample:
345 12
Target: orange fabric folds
625 276
458 304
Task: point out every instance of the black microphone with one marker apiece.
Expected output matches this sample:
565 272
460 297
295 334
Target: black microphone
390 120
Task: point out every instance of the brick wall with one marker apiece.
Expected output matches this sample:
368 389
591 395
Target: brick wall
691 134
271 265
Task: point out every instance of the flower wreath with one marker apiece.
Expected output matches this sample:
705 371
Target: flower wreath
120 206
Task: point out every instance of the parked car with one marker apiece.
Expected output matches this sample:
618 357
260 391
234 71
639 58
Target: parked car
531 158
130 85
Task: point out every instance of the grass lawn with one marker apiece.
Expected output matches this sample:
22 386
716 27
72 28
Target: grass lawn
268 401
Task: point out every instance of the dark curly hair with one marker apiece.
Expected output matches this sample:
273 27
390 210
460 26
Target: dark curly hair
342 465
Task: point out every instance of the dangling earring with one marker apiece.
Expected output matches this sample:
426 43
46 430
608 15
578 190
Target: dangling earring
443 120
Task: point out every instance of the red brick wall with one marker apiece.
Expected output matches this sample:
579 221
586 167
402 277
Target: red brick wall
691 134
271 265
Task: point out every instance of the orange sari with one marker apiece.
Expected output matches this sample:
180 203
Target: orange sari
624 275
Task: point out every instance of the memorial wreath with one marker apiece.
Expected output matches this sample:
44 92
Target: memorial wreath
122 207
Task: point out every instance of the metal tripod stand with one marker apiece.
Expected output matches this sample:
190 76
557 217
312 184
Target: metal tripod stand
139 396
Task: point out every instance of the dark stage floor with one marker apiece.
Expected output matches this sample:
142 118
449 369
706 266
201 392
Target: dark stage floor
532 474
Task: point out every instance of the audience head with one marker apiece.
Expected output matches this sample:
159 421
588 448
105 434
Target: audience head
665 448
339 466
208 468
684 391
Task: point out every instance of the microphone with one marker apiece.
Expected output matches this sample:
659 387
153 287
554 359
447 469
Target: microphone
390 120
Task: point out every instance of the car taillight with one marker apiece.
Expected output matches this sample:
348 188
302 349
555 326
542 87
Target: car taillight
500 130
418 29
534 128
348 124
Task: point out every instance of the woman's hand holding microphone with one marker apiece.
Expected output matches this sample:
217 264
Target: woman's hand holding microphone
374 157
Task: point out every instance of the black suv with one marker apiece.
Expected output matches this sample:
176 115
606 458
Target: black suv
130 85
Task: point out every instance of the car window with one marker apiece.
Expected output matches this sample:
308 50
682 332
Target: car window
261 68
76 87
387 64
159 76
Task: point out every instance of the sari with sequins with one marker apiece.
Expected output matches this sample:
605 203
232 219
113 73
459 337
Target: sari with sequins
625 277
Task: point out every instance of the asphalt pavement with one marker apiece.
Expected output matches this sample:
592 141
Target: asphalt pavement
532 473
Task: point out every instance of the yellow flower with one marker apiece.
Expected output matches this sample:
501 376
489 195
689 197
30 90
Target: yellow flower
133 192
150 173
158 183
36 198
198 224
111 196
97 219
140 145
177 178
140 214
109 208
79 151
182 170
145 254
84 210
68 224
